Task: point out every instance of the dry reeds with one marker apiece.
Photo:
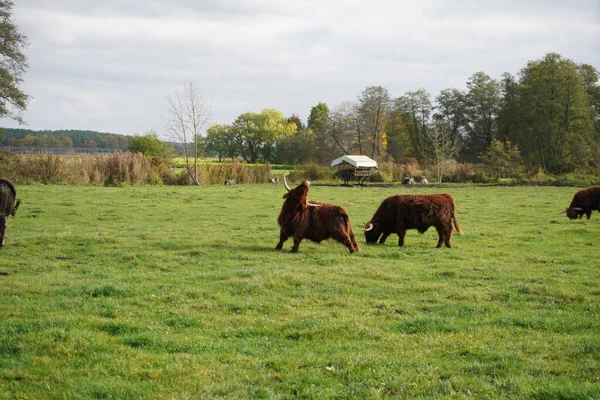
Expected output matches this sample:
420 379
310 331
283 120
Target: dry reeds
101 169
118 169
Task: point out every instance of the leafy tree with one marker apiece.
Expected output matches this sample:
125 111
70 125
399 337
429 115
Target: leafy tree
590 77
502 160
257 134
556 128
188 114
508 115
451 107
415 109
374 107
317 123
482 107
151 146
294 119
13 64
399 144
297 148
220 140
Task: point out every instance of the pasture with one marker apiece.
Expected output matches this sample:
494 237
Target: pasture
177 292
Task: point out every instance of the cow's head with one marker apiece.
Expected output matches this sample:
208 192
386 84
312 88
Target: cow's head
573 212
299 194
372 232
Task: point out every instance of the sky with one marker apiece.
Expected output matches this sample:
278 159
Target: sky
109 65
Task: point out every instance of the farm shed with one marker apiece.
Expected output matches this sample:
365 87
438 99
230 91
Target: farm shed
357 168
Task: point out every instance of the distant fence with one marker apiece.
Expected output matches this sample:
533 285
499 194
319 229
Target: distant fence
58 150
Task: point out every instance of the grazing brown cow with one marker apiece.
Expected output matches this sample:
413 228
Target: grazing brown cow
398 213
584 202
8 206
313 220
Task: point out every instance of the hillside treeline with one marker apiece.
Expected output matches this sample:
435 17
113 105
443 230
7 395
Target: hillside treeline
62 139
547 115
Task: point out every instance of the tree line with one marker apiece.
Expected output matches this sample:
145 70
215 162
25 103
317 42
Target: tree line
549 114
62 139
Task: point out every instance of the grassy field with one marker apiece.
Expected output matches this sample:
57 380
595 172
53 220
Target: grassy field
176 292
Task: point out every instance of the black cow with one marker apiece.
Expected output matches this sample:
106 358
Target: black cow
8 206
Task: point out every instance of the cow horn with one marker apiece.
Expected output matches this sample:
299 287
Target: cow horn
312 204
562 212
368 227
577 209
286 185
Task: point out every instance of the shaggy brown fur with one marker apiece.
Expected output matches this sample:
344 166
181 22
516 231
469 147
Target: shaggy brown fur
8 206
313 220
584 202
398 213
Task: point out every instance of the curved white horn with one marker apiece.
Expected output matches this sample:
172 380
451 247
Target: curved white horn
286 185
313 204
562 212
368 227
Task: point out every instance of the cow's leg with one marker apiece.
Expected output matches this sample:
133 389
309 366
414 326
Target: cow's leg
297 241
384 237
401 235
448 236
342 236
353 241
440 231
3 224
588 214
282 238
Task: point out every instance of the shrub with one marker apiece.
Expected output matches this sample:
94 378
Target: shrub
462 172
502 160
311 172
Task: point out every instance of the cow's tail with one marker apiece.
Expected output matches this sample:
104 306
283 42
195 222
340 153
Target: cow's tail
455 220
14 211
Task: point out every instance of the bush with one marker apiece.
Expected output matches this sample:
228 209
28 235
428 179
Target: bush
502 160
462 172
377 176
312 172
408 167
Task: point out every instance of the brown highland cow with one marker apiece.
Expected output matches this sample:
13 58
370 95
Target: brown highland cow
584 202
313 220
398 213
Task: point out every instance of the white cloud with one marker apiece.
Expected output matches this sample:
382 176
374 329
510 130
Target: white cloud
109 66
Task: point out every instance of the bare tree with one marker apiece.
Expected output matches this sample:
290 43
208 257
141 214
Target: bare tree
438 146
188 114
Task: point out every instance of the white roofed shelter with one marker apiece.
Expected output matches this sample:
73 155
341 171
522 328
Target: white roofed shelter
357 168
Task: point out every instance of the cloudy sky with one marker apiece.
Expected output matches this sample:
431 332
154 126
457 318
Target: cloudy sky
108 65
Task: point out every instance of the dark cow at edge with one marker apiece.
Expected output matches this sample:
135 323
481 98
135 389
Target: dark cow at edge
313 220
584 202
8 207
398 213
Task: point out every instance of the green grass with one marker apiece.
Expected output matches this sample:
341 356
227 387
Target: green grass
176 292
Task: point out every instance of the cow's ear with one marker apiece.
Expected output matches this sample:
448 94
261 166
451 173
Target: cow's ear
285 195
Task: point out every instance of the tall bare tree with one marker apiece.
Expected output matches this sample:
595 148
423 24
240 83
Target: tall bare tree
438 146
188 114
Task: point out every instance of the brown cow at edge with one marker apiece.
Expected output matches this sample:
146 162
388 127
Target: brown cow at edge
398 213
8 206
584 202
313 220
